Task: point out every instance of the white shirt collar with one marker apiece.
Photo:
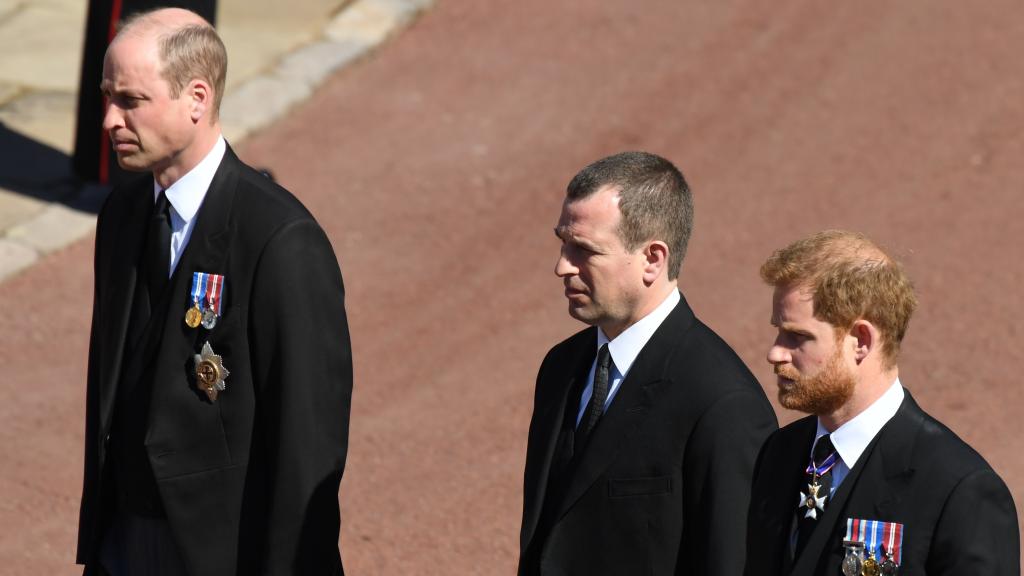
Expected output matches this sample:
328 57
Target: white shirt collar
627 346
186 195
852 438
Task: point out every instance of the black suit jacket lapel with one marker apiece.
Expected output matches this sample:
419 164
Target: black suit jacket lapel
549 421
210 242
166 336
895 447
120 270
207 251
877 482
784 478
631 405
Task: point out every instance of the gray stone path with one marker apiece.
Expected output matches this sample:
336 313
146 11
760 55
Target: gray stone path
278 53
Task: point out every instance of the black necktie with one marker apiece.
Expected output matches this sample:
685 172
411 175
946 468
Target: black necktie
154 263
157 256
815 495
598 397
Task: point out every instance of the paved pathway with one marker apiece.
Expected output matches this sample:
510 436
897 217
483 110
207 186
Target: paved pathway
278 53
437 168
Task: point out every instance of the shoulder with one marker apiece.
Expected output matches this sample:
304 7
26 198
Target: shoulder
792 435
709 365
125 198
264 215
953 486
585 336
795 428
571 347
261 202
938 450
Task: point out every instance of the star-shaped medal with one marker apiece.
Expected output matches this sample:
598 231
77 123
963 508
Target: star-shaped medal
812 501
210 372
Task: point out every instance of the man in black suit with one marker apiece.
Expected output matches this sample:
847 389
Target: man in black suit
646 425
220 374
869 483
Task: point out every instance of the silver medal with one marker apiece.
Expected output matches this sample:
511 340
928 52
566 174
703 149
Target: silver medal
853 563
209 318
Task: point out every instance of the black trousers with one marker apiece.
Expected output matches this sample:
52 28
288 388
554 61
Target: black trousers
93 160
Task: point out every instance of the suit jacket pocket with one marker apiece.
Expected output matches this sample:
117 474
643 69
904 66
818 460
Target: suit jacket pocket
629 487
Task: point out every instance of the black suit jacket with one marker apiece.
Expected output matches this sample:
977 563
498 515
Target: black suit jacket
249 482
663 485
958 517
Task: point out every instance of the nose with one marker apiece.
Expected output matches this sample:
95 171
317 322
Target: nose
563 267
112 117
778 354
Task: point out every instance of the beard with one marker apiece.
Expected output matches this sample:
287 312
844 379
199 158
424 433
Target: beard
823 393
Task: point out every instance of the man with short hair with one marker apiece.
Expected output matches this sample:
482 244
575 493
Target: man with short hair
91 159
646 425
220 370
869 483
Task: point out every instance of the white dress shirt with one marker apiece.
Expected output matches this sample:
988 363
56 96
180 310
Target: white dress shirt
624 349
186 196
852 438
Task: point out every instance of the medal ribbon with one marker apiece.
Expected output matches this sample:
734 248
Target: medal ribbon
880 539
198 287
208 288
213 295
894 541
825 466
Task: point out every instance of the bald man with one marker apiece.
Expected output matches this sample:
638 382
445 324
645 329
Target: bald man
220 374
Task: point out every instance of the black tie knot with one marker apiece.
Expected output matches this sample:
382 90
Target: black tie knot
161 206
823 448
604 357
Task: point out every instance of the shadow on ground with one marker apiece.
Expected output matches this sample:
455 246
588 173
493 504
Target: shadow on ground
36 170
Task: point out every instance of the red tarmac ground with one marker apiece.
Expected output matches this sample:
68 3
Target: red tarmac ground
437 168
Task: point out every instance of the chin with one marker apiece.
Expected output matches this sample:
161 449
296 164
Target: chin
582 314
132 165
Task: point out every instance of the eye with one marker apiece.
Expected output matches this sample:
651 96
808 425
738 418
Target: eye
574 250
124 101
793 339
131 101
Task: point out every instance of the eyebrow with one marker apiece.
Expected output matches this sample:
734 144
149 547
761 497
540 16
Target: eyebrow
109 88
788 327
563 234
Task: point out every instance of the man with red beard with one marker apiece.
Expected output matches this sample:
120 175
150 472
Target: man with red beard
869 483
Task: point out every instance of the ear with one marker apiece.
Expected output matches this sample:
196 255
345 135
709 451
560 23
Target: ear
867 340
655 261
200 96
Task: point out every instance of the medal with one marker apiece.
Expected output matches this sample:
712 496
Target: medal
870 567
888 566
854 561
209 319
811 501
883 544
193 317
206 294
210 372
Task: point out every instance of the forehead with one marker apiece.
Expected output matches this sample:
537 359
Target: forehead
597 211
131 56
792 305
